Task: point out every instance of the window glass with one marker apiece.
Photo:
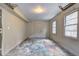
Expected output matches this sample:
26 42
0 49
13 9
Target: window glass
70 23
54 27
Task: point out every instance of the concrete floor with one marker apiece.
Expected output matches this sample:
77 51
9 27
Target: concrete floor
37 47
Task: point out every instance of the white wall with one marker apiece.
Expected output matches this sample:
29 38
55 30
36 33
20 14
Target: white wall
15 31
39 29
70 44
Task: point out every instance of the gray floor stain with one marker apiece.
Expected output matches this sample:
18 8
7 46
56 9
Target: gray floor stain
37 47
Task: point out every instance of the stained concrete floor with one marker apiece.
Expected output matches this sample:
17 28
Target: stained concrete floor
37 47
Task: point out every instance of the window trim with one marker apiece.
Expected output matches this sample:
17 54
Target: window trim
56 27
68 13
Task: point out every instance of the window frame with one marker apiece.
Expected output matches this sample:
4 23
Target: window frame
68 13
55 27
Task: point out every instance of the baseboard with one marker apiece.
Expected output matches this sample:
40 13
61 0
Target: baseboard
63 48
38 37
22 42
12 48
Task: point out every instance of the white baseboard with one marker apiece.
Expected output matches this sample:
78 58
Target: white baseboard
38 37
4 54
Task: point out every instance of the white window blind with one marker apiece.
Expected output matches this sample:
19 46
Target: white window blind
70 24
54 27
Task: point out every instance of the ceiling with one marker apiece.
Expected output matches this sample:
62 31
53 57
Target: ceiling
51 9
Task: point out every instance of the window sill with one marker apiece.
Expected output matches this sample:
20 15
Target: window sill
71 37
54 33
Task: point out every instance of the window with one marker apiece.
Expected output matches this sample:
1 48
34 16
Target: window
54 27
70 24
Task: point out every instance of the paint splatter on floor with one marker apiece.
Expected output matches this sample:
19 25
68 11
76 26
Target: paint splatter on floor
37 47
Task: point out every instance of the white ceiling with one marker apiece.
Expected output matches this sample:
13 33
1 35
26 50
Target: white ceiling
52 9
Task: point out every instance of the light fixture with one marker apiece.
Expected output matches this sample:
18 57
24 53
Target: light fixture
38 9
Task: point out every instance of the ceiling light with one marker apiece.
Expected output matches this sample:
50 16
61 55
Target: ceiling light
38 9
